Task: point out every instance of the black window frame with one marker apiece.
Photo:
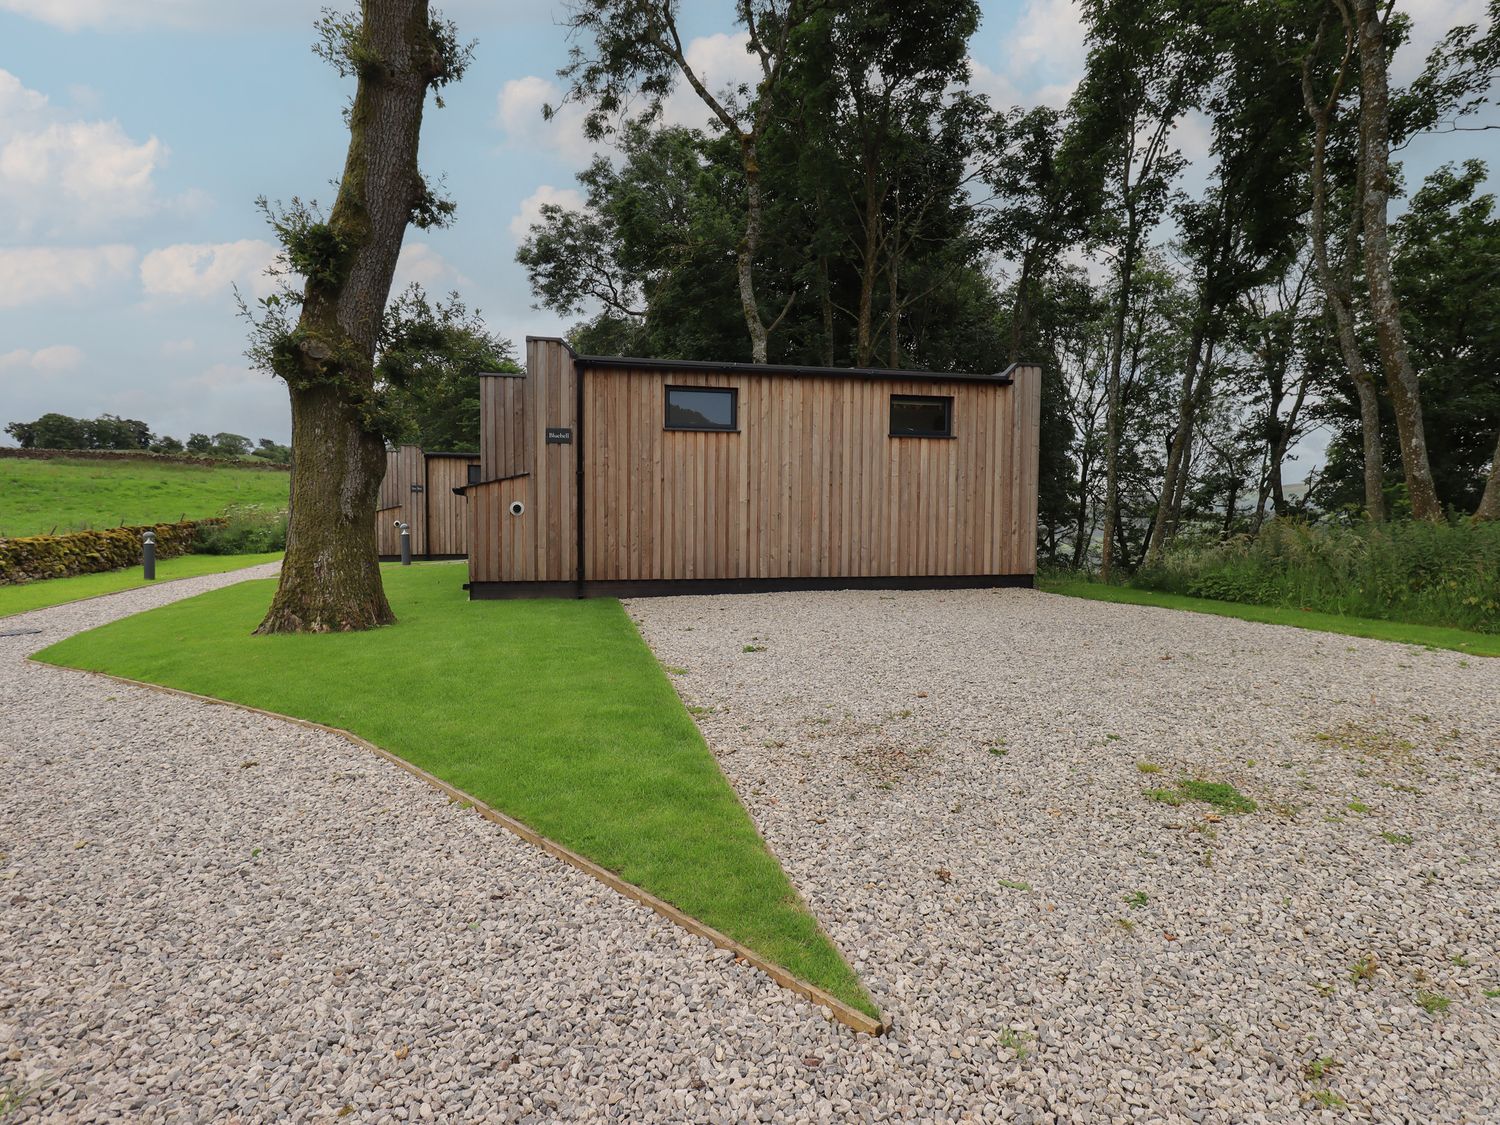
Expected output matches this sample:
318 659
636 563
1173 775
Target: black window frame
734 410
947 430
472 476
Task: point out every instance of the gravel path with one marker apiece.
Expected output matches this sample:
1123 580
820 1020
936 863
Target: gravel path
954 780
207 915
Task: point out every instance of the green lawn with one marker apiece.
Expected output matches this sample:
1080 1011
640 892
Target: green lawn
40 496
1430 636
55 591
555 712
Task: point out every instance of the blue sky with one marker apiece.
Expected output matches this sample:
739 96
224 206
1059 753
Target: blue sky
136 134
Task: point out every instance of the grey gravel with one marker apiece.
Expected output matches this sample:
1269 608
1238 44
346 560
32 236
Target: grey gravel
953 779
207 915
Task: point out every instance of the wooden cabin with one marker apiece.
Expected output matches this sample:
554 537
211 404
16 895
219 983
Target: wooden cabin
418 489
624 477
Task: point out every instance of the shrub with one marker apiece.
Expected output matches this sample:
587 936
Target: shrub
245 529
1445 574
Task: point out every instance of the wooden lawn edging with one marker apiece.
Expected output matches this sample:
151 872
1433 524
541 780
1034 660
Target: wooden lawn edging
845 1014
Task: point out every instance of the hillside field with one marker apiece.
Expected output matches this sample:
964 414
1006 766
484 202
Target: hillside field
37 497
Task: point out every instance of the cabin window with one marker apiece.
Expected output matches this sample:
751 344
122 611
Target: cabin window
702 408
921 416
473 474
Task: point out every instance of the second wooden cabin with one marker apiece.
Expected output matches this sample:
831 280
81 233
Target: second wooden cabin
418 490
604 475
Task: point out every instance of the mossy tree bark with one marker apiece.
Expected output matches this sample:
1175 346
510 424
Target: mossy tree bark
330 580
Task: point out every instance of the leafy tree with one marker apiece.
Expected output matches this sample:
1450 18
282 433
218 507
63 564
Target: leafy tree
268 450
1245 229
635 47
431 356
165 443
51 431
1147 67
231 445
201 444
1446 260
398 52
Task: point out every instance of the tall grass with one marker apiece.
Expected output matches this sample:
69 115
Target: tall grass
248 529
1444 574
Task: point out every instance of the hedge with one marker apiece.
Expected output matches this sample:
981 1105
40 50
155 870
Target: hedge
87 552
143 455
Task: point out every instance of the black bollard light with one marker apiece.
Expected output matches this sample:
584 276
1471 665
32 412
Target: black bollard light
148 556
405 542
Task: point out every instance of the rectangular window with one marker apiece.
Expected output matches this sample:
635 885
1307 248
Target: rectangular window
702 408
921 416
473 474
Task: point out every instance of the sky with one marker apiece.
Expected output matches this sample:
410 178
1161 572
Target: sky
135 136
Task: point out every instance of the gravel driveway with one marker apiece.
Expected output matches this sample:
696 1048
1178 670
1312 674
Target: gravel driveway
954 779
207 915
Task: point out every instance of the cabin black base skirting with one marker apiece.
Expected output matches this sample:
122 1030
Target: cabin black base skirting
664 588
424 558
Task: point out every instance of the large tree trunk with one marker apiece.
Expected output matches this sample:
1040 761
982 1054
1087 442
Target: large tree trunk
825 294
1385 309
1489 503
1186 405
864 330
1113 409
749 244
1338 291
330 580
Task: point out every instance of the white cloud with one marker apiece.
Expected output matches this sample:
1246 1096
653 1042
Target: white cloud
420 263
178 347
59 173
122 15
33 274
45 362
1431 20
16 99
518 113
1043 54
531 207
220 376
993 84
203 269
131 15
723 65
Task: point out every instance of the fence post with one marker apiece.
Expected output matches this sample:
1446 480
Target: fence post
148 556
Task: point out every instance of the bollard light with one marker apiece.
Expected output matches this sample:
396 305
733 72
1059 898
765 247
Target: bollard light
148 556
405 542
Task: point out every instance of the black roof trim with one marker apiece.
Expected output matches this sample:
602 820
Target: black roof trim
1001 378
443 453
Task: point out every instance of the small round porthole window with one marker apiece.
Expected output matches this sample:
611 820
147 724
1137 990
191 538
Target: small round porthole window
517 508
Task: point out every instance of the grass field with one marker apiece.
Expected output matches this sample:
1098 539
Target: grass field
56 591
1429 636
555 712
40 496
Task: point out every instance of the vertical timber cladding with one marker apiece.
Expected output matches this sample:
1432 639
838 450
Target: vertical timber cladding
812 485
405 466
438 518
445 515
516 413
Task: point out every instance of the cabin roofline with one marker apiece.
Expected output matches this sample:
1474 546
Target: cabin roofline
702 366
